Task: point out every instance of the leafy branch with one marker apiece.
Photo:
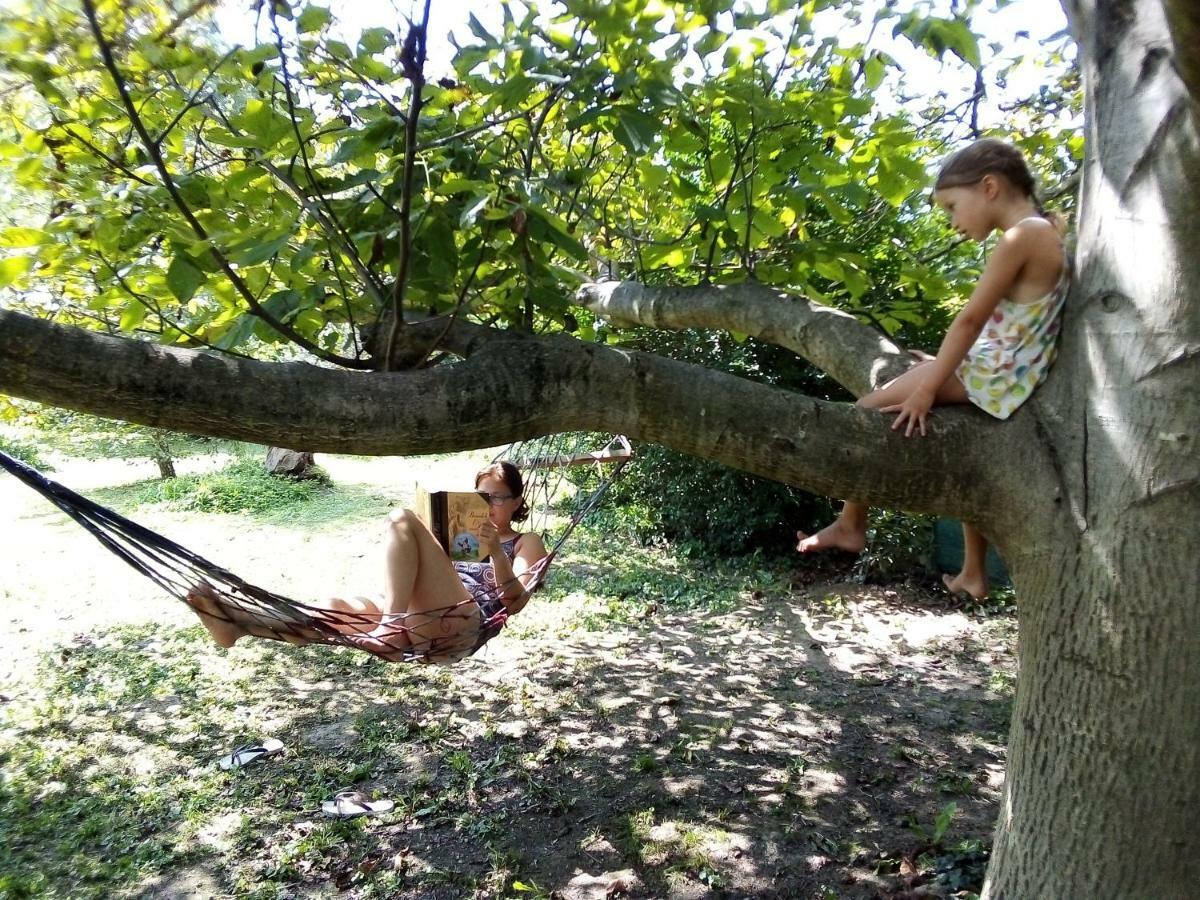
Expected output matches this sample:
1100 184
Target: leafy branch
155 154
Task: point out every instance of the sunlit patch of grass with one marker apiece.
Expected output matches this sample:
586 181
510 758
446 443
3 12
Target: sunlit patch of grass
632 581
678 849
245 488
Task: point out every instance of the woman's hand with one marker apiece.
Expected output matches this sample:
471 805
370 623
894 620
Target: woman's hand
489 539
913 412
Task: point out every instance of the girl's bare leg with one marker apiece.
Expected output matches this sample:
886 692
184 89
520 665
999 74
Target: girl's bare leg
849 530
973 577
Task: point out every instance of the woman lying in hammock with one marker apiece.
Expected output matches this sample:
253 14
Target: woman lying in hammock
433 610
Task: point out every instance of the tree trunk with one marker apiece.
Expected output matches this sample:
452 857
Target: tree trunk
297 463
1102 797
162 454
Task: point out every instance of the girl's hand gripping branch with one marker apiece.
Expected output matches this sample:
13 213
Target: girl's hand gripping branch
913 412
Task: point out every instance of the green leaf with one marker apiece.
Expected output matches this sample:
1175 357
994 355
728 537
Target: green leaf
457 185
283 305
587 117
263 123
375 40
238 334
22 237
545 226
251 254
471 210
13 268
479 31
184 278
133 315
635 130
314 18
830 268
875 70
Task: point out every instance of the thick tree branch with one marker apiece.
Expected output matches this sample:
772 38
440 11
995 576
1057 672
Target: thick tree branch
513 387
854 355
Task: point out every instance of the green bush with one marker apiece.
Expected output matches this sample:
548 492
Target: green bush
705 508
898 545
25 452
243 486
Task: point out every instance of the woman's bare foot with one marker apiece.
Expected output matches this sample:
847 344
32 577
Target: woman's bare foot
362 615
963 583
227 622
204 602
835 536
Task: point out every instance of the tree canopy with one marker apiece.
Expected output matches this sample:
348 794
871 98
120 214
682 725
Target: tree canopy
277 198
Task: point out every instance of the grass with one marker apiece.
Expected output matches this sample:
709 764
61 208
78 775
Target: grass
25 451
636 581
106 763
243 487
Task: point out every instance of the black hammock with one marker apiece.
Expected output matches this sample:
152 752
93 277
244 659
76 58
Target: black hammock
544 463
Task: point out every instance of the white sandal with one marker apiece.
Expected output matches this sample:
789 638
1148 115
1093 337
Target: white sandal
251 753
351 804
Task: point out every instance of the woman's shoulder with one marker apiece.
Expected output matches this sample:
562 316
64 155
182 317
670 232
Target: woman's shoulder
528 540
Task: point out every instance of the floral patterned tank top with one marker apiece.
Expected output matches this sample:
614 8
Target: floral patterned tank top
1014 351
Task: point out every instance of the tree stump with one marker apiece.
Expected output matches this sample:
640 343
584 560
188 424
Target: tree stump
297 463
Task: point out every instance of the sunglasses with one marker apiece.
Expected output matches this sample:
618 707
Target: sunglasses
495 499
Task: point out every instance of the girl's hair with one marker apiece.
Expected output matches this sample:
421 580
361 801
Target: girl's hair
989 156
511 476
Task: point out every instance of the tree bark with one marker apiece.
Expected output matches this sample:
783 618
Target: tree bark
857 357
1102 798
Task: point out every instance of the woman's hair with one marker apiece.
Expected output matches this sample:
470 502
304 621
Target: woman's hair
989 156
511 476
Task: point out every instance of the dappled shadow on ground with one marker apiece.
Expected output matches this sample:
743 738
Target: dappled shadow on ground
795 747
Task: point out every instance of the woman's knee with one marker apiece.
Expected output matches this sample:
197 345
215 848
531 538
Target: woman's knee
402 520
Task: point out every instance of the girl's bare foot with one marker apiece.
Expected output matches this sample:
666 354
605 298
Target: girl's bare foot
835 536
204 602
963 583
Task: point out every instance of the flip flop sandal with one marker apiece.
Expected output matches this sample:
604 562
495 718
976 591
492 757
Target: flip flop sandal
251 753
351 804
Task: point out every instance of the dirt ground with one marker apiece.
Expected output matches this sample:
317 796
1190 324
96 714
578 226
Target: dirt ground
802 745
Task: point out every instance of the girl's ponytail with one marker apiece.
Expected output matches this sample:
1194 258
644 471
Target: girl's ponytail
1055 218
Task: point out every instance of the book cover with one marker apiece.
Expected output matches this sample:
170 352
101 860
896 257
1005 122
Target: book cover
455 518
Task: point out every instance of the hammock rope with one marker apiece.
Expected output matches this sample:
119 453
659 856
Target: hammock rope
218 593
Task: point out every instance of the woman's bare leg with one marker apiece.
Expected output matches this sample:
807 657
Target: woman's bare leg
973 577
227 622
849 530
424 601
203 601
425 606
